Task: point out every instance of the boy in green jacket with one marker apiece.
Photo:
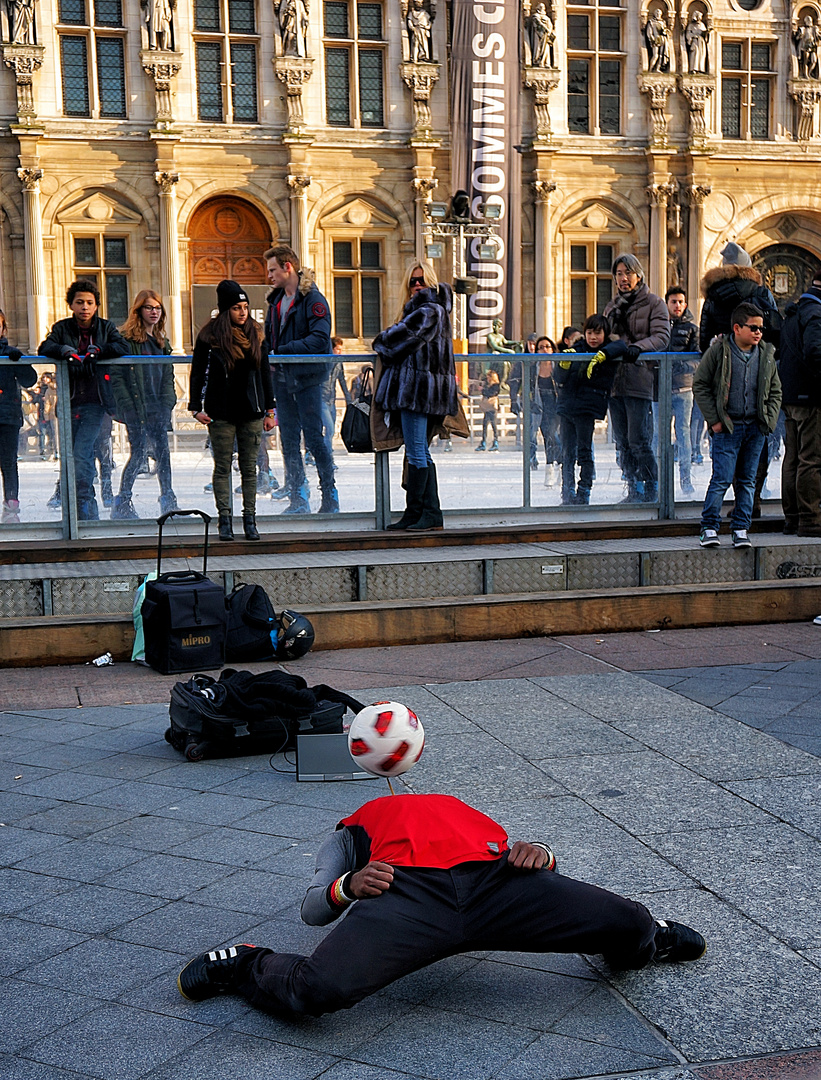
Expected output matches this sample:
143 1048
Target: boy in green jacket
738 391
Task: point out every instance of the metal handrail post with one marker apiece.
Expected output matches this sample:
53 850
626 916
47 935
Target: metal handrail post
68 489
524 393
382 488
667 495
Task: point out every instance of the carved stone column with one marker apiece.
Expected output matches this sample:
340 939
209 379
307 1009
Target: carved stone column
695 195
170 253
807 94
299 214
35 267
657 86
422 187
543 256
698 89
293 72
542 81
162 67
420 79
657 196
24 60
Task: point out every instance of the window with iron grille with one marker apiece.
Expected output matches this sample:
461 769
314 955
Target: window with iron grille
358 280
92 58
226 45
747 76
595 66
354 64
104 260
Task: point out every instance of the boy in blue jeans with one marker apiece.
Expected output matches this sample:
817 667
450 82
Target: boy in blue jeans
738 391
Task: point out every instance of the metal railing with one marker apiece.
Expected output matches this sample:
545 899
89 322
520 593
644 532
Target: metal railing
72 528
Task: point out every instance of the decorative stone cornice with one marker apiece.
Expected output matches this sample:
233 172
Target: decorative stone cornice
30 178
24 60
293 72
542 81
806 93
658 86
420 79
165 181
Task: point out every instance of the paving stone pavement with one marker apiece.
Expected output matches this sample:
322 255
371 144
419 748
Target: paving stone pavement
695 789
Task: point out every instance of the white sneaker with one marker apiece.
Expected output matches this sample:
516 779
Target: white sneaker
550 475
817 620
740 539
709 538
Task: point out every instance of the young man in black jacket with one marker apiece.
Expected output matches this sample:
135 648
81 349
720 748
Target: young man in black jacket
683 339
82 341
299 322
799 364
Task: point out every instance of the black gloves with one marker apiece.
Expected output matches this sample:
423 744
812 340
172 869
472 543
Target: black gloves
614 349
68 353
92 352
14 354
632 353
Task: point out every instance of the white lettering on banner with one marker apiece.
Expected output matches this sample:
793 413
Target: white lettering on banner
490 164
495 15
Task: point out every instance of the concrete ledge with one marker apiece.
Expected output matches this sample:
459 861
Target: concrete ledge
34 642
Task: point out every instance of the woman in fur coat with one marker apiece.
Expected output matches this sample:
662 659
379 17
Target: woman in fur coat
418 381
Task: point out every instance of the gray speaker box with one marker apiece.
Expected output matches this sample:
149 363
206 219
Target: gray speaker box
326 757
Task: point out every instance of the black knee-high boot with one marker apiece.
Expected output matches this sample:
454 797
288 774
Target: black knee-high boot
431 519
415 485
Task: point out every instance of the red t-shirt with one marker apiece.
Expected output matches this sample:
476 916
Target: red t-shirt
424 830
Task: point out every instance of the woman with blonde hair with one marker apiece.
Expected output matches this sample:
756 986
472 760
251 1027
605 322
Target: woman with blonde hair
144 397
418 382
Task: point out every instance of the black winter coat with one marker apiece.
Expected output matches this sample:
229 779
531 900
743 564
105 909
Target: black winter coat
645 322
723 289
307 331
684 339
87 385
11 379
419 374
238 396
799 355
580 396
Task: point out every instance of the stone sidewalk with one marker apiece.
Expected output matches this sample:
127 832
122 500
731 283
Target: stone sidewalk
681 768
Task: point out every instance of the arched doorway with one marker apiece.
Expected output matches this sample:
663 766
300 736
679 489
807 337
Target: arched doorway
227 239
787 271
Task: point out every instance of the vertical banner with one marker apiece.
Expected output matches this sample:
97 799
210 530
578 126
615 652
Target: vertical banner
485 132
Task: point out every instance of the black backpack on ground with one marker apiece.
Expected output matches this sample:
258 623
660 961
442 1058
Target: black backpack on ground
183 614
252 625
241 713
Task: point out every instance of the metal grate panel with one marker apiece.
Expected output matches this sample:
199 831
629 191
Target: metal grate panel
770 558
529 575
701 566
314 585
20 598
617 570
111 595
407 581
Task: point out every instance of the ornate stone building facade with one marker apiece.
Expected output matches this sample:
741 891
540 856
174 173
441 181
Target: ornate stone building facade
162 143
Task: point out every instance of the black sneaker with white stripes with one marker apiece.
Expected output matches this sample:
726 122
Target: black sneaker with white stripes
211 973
676 942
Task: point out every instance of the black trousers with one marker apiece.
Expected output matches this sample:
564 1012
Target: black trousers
427 915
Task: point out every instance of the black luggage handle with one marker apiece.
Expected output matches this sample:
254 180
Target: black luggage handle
183 513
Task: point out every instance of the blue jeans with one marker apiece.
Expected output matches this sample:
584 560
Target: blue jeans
329 423
85 428
737 454
682 411
415 434
300 414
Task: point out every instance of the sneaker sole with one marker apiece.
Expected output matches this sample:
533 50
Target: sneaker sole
709 543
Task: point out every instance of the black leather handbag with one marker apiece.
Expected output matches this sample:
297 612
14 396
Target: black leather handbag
356 423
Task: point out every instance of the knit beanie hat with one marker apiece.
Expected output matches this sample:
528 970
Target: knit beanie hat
228 294
733 255
630 263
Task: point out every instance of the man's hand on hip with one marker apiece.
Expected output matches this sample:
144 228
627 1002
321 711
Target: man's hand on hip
371 880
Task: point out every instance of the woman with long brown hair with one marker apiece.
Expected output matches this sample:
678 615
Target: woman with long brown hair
144 396
232 393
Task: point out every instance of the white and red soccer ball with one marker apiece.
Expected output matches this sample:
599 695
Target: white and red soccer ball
386 738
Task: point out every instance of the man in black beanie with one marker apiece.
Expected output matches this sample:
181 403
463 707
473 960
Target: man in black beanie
640 318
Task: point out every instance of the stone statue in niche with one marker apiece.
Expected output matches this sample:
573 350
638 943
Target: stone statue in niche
696 36
293 27
806 40
21 21
419 18
542 38
158 15
657 39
